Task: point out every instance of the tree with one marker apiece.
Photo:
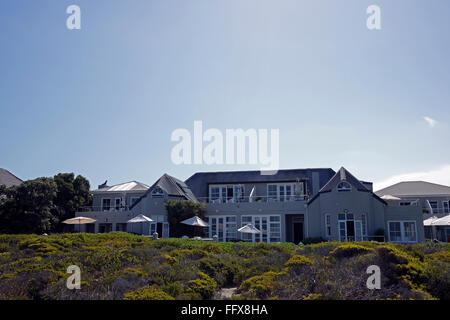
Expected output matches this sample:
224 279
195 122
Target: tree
40 205
72 194
28 207
179 210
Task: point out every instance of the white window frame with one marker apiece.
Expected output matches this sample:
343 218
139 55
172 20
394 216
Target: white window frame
437 205
157 193
402 230
110 207
286 197
268 225
364 225
115 204
223 193
344 189
446 206
328 225
225 224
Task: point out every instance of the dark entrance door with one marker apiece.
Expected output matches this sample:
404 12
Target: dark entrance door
350 230
159 226
297 232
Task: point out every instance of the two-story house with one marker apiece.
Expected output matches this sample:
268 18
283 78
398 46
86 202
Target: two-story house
290 205
432 198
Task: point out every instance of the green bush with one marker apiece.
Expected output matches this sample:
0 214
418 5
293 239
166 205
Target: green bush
349 250
147 294
204 286
261 287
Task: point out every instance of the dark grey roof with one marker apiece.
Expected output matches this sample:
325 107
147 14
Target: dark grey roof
8 179
172 186
344 175
415 188
200 181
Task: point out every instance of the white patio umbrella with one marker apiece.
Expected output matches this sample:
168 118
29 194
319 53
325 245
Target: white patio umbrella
195 221
444 221
79 220
249 228
389 197
429 222
140 219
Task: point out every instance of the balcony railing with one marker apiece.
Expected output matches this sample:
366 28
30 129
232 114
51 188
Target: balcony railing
247 199
440 211
103 209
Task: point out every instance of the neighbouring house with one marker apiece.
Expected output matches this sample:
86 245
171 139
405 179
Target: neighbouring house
110 204
8 179
432 198
291 205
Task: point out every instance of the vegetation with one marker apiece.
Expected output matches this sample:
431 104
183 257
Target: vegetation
179 210
126 266
40 205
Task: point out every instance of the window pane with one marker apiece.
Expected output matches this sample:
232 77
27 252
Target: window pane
395 231
410 231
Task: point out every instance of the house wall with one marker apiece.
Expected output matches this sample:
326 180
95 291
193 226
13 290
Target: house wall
354 202
97 198
405 213
422 200
257 209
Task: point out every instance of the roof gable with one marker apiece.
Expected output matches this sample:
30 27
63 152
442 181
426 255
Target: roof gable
343 175
172 187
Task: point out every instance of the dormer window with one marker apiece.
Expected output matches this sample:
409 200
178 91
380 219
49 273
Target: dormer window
157 193
344 186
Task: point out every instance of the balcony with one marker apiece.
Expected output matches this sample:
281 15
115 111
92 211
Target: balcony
104 209
235 200
256 205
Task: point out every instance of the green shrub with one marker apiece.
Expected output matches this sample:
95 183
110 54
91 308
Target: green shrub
349 250
313 240
204 285
147 294
263 286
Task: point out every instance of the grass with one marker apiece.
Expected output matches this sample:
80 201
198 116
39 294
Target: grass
125 266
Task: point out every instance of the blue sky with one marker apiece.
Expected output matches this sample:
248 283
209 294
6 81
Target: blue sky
103 101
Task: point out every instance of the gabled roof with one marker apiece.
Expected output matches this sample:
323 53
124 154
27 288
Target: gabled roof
415 188
343 175
124 187
8 179
172 186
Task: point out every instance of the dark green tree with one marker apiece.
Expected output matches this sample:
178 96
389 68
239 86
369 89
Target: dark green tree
72 194
179 210
40 205
28 207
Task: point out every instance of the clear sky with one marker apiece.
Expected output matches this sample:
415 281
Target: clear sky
103 101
